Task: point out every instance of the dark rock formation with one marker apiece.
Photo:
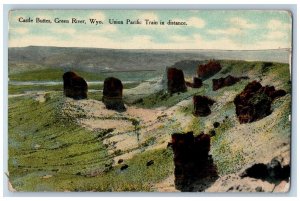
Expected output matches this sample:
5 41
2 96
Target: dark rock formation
205 71
191 159
254 102
277 94
113 94
176 81
74 86
124 167
227 81
202 105
197 83
212 133
216 124
151 162
258 171
274 172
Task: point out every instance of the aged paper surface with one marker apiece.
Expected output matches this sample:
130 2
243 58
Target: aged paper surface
149 100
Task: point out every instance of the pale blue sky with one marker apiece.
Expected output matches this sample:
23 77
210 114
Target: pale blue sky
205 29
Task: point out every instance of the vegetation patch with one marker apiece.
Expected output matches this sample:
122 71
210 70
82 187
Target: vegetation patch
226 159
47 153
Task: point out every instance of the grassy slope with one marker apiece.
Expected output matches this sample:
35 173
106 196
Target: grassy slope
50 74
227 157
42 143
26 163
55 74
19 89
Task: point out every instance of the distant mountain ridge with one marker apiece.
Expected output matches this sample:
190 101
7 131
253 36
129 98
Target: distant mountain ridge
90 59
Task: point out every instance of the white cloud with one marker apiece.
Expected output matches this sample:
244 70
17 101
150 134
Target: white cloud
179 38
149 16
228 31
69 31
278 30
278 25
98 16
146 42
99 30
270 44
241 23
275 35
238 26
105 29
20 30
196 22
195 41
35 40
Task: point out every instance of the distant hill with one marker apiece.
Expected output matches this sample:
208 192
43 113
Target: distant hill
98 59
189 67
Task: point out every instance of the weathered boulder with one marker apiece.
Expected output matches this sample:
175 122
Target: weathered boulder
216 124
274 171
176 81
151 162
197 83
191 158
227 81
254 102
113 94
74 86
277 94
272 176
205 71
202 105
124 167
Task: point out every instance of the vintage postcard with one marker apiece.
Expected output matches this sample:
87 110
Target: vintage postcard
149 100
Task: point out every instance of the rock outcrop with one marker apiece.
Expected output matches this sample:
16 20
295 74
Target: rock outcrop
176 81
113 94
197 83
227 81
274 172
124 167
74 86
191 159
205 71
254 102
202 105
258 177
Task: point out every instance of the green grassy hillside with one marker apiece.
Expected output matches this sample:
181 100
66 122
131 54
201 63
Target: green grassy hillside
228 145
55 74
48 152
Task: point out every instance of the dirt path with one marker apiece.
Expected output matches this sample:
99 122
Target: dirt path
125 138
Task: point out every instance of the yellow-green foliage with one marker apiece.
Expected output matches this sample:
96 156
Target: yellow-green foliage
227 160
19 89
41 143
51 74
196 125
162 98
